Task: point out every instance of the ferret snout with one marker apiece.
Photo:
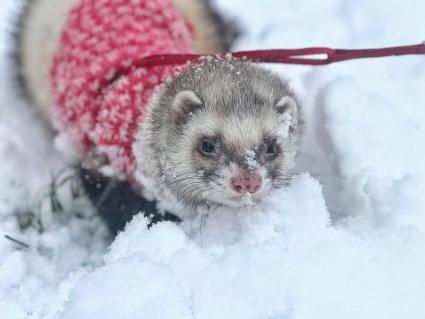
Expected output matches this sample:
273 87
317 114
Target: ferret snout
247 183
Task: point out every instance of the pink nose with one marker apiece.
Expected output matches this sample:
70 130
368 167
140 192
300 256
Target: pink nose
247 183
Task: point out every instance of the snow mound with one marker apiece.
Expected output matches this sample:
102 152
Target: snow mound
286 262
162 273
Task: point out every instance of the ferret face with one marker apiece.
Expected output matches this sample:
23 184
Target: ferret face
229 135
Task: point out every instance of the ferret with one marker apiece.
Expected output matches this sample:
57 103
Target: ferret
218 132
221 132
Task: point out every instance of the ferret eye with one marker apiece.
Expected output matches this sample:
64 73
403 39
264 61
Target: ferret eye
207 147
271 150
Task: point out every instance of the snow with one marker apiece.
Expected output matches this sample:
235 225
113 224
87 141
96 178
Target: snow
250 159
344 240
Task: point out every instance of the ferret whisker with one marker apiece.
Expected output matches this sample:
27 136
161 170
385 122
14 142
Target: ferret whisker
200 227
218 183
192 180
182 177
305 154
187 193
324 175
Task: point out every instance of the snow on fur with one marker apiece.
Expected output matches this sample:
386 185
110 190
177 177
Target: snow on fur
344 241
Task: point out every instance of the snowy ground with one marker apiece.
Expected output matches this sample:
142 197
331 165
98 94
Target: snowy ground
345 240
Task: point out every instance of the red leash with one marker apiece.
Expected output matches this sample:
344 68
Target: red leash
291 56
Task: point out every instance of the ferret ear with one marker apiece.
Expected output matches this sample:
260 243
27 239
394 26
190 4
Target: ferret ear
186 101
287 105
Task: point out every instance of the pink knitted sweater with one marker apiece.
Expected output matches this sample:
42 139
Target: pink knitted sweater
100 108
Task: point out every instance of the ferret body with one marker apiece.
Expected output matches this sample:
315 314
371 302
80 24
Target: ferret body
217 132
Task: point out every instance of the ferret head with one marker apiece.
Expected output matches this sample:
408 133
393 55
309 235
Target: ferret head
224 133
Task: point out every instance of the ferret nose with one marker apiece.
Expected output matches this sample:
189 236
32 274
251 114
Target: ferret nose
247 183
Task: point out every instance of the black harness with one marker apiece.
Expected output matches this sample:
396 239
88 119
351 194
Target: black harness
117 201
